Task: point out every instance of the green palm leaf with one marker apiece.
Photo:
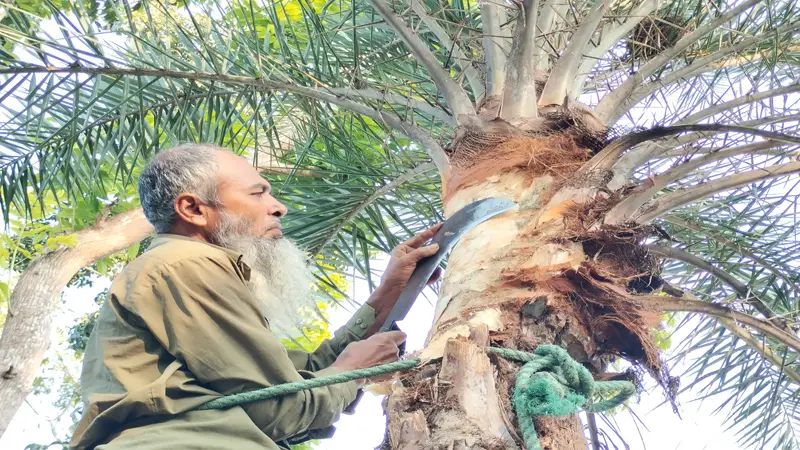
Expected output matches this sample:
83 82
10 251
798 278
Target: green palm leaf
354 123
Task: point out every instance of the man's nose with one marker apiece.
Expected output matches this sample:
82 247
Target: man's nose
277 208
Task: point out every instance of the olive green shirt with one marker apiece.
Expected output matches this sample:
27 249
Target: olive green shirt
179 328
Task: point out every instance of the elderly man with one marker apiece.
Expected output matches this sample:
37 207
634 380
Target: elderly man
190 319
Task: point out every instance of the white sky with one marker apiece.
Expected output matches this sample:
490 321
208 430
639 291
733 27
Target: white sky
662 430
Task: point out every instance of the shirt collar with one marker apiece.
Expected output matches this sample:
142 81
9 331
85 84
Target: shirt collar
164 238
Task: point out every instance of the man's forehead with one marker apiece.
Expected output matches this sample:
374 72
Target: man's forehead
237 171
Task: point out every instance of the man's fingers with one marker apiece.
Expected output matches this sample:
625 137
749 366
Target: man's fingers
423 252
398 337
421 238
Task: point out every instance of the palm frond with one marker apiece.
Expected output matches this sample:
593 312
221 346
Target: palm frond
343 113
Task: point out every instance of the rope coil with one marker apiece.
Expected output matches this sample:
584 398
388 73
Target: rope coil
550 383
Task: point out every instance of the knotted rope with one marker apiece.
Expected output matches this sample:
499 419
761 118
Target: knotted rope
550 383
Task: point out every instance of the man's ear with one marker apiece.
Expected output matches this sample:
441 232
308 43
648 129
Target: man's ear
192 210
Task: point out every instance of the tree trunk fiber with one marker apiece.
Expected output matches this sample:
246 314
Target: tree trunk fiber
485 293
26 335
517 281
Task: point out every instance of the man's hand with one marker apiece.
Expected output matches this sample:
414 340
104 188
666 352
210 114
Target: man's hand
401 265
381 348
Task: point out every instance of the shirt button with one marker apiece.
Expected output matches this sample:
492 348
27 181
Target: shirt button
363 326
359 321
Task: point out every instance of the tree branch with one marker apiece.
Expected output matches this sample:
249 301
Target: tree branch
757 55
551 14
623 210
454 95
690 138
669 304
683 152
742 291
383 190
473 78
699 65
592 425
609 38
519 94
614 100
606 158
751 98
563 74
544 25
760 347
417 134
737 247
108 117
395 99
495 45
629 162
26 335
675 200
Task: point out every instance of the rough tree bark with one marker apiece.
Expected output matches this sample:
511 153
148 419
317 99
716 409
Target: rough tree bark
27 332
542 273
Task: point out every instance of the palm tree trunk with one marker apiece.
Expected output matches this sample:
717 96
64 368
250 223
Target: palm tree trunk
534 275
27 332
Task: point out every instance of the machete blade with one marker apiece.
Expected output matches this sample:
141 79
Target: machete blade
448 235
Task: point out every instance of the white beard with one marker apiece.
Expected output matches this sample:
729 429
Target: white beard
279 273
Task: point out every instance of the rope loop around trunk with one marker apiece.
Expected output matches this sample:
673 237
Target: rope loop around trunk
550 383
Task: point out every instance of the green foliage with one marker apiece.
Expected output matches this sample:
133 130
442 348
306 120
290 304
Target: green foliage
73 141
662 337
57 379
50 226
78 334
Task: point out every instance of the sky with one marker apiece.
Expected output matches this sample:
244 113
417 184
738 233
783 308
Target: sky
659 429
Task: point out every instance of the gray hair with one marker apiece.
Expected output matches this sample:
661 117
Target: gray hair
185 168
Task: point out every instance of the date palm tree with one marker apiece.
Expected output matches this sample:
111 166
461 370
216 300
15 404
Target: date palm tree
650 146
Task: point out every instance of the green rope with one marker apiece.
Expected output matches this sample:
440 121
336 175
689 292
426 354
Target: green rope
291 388
550 383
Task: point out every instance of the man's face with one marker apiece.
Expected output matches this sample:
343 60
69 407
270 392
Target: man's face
247 219
244 194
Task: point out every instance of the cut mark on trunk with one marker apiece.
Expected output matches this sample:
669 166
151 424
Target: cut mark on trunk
616 270
461 403
596 294
488 318
477 159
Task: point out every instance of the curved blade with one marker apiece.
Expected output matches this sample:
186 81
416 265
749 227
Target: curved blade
448 235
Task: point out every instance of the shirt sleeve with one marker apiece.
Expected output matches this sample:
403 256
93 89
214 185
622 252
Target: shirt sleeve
329 349
203 313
